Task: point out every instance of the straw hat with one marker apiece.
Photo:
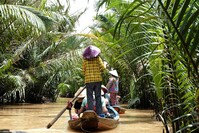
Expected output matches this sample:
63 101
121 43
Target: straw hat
83 93
91 52
114 73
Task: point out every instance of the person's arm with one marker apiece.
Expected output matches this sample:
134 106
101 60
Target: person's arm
80 111
76 111
101 65
105 110
83 67
109 84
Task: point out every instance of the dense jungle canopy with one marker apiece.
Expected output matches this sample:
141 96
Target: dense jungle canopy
153 44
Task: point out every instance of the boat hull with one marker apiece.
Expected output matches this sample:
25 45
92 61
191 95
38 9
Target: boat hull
90 121
119 109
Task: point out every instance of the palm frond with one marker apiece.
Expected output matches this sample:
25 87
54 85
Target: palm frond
25 15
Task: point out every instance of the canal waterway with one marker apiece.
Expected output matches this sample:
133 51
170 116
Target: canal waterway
33 118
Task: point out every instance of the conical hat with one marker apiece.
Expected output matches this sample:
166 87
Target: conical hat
83 93
91 52
114 73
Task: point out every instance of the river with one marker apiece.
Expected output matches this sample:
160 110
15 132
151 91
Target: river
33 118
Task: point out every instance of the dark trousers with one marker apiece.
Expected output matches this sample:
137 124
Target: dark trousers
96 88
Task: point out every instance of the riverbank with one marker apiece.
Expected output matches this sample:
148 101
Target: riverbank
33 118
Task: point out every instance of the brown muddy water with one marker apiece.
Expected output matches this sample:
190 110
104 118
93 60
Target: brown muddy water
33 118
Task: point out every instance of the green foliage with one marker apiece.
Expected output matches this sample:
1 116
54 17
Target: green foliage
24 15
158 41
36 45
152 44
63 88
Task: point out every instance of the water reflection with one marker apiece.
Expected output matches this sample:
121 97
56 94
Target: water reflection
33 118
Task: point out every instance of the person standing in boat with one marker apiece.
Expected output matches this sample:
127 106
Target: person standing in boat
93 68
84 105
113 87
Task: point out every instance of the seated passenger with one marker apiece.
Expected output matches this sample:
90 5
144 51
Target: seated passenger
84 105
106 94
78 102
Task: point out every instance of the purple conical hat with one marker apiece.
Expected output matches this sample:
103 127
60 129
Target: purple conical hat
91 52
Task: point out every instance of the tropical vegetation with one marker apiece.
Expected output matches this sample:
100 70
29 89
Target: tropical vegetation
153 44
37 50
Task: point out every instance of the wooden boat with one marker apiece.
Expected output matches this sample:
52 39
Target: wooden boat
119 109
91 121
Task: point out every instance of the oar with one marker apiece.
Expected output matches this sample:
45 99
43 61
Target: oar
69 106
